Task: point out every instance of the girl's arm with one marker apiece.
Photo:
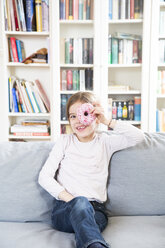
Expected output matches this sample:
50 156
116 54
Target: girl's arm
124 135
46 176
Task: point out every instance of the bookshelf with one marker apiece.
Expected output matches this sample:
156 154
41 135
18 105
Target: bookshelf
134 75
137 75
157 68
33 41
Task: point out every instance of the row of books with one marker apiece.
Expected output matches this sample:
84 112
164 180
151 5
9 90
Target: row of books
16 50
161 23
77 79
160 120
125 9
161 82
125 110
31 128
123 50
26 15
76 9
77 50
26 96
162 51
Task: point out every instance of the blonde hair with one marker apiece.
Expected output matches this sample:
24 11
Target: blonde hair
80 96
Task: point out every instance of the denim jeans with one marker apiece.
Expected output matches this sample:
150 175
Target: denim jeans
78 216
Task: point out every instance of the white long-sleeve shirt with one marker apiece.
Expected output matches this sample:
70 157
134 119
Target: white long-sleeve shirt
81 168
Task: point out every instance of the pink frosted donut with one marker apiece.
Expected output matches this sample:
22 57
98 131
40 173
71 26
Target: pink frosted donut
84 115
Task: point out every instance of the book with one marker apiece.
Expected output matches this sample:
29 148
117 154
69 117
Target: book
88 79
30 134
63 107
30 15
15 103
14 49
38 9
45 15
137 108
69 80
31 128
43 94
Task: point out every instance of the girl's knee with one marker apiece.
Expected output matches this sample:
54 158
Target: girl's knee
81 203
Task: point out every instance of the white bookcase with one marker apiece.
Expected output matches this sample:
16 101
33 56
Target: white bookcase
156 101
135 75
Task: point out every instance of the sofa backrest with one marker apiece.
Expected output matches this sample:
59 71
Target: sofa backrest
136 185
21 197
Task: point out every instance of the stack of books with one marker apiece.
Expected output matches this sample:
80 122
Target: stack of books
76 10
27 97
77 50
16 50
124 48
29 15
31 128
77 79
128 9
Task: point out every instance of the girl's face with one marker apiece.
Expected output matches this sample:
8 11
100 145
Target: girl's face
83 133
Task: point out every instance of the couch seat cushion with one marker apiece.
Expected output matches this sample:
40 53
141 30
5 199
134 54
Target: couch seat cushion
121 232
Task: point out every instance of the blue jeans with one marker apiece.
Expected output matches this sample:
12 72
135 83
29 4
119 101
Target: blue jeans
78 216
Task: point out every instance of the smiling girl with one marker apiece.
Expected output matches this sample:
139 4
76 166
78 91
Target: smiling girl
76 171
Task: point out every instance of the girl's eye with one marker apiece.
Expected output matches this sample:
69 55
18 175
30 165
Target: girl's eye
72 116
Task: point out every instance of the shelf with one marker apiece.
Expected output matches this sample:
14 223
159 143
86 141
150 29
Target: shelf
162 4
131 122
29 137
161 65
72 91
131 92
161 37
76 65
76 22
160 96
29 114
15 33
19 64
130 21
137 65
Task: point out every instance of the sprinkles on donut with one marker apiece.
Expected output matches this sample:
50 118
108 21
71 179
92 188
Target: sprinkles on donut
84 115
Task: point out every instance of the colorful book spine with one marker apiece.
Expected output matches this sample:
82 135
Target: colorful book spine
30 15
137 108
30 134
63 107
110 10
45 15
114 50
38 8
69 80
14 49
15 103
70 9
19 50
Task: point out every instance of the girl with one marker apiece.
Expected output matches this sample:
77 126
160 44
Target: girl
76 172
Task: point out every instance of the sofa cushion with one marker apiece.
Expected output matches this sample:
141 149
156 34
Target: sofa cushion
21 197
124 231
137 178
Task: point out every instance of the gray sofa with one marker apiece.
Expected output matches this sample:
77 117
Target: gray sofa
136 197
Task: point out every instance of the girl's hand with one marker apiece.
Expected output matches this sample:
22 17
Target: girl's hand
99 112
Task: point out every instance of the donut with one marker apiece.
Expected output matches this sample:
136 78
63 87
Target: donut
84 115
